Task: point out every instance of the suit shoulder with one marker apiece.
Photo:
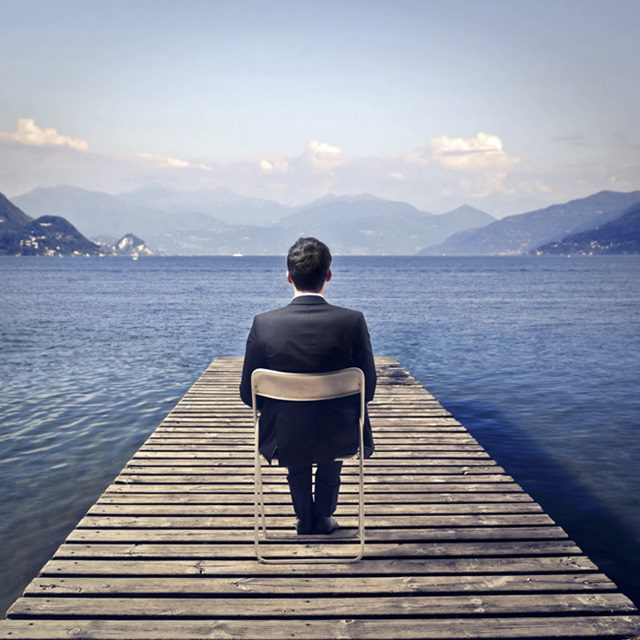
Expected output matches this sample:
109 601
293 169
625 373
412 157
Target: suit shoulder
271 314
346 312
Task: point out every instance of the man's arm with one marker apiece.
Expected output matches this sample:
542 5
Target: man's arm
364 359
253 359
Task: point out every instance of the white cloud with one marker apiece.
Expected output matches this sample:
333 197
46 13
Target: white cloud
171 162
266 166
483 151
322 156
474 167
28 132
396 175
273 165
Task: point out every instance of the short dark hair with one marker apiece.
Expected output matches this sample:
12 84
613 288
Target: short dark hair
308 262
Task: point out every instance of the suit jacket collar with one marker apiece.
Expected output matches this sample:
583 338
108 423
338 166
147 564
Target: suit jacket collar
308 300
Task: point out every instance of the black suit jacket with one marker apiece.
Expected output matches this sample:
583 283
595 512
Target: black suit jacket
309 335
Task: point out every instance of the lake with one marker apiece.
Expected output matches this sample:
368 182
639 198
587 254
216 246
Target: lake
538 356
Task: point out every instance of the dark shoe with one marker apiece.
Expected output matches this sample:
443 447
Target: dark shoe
326 524
304 527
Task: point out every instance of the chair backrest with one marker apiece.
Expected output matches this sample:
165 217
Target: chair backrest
302 387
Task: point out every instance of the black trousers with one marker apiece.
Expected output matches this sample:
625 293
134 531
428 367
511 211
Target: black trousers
327 489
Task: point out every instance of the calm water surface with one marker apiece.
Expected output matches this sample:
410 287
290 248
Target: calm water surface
539 357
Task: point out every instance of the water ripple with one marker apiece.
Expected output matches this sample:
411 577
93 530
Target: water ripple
539 357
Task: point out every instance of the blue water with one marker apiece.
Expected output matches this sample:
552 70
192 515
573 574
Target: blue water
539 357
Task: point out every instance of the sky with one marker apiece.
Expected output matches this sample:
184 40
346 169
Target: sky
502 105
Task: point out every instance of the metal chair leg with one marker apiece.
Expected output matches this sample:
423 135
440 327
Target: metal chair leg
260 517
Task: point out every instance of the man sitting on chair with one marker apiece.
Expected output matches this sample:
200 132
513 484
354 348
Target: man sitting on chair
309 335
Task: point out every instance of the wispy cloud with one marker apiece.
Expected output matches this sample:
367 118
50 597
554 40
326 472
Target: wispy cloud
322 156
171 162
28 132
274 165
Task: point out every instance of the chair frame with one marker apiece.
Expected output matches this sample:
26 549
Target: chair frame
306 387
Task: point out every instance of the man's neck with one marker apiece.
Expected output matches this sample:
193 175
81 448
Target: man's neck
297 293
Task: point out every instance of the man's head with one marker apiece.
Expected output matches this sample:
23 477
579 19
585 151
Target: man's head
309 264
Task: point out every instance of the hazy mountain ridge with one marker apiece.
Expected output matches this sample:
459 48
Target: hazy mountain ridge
618 236
361 224
223 204
351 224
522 233
101 214
369 225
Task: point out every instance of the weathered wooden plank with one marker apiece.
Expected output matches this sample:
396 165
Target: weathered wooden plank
433 466
139 475
286 520
392 426
446 465
126 494
601 626
247 460
360 607
471 565
418 448
343 509
302 586
316 549
176 534
411 455
154 485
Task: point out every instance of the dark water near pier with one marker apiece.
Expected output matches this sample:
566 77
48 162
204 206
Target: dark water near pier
539 357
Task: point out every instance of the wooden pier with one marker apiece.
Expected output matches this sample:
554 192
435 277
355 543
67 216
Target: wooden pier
455 548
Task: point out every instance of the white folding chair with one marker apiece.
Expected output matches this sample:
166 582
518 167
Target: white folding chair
306 387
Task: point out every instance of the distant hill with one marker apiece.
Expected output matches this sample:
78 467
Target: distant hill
46 236
619 236
369 225
520 234
350 224
464 217
12 223
130 245
223 204
55 236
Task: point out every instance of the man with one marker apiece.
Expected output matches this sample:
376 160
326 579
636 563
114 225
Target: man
310 335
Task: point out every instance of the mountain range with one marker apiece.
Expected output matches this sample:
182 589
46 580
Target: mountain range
183 223
365 224
619 236
356 225
525 232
